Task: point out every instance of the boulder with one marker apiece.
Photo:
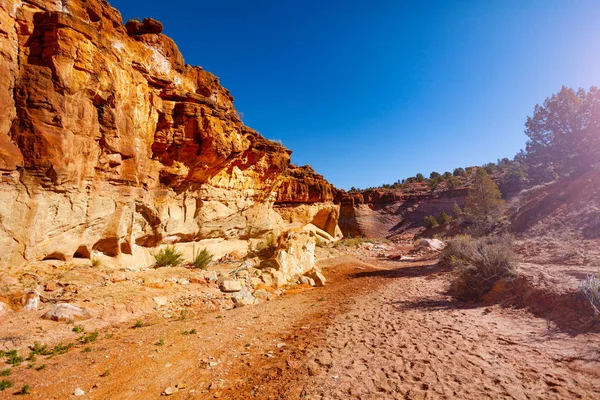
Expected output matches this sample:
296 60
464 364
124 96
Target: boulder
67 312
243 298
262 294
432 244
230 286
161 300
294 256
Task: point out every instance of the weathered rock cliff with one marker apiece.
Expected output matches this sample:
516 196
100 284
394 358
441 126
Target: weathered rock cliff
111 145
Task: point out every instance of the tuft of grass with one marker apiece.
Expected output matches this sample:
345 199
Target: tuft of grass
43 350
105 374
138 324
78 329
89 338
161 342
41 367
12 357
5 372
25 390
168 257
190 332
87 350
479 263
202 259
109 335
5 384
96 262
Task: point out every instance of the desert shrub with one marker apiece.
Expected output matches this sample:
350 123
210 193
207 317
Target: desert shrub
267 247
96 262
484 205
430 221
459 172
479 263
447 174
353 242
419 177
443 218
453 182
590 290
5 384
456 211
167 257
202 259
434 175
434 183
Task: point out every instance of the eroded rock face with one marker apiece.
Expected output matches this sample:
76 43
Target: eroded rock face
110 144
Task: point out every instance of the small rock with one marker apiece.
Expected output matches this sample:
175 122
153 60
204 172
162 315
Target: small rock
254 281
67 312
50 286
243 298
280 345
32 301
261 294
183 281
212 276
230 285
305 280
269 354
78 392
161 300
243 274
311 282
213 364
170 390
279 279
267 279
318 278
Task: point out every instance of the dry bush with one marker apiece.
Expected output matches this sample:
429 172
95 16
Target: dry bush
479 263
590 290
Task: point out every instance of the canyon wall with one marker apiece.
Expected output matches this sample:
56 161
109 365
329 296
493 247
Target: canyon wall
111 145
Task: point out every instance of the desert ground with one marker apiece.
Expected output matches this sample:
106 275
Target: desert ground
383 327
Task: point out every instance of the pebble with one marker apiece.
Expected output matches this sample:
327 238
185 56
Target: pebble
170 390
78 392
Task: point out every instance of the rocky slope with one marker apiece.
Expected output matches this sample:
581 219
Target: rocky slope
111 145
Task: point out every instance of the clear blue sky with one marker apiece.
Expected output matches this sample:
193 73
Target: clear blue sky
368 92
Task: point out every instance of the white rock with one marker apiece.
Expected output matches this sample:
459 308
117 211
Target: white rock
170 390
231 285
78 392
261 294
434 244
67 312
4 309
32 301
161 300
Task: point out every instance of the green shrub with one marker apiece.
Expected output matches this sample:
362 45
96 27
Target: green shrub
456 211
168 257
447 175
25 390
419 177
89 338
78 329
5 372
434 183
459 172
5 384
434 175
430 221
444 218
202 259
453 182
479 263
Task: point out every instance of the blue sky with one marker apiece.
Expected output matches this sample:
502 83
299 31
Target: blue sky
371 92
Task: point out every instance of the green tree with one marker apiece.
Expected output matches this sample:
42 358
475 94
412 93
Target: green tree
484 201
434 175
419 177
564 134
447 175
456 211
430 221
444 218
453 182
459 172
434 183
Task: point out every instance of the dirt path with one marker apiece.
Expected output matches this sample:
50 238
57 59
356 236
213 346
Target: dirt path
379 330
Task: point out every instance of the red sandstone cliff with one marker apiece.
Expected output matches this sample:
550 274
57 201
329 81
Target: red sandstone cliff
110 143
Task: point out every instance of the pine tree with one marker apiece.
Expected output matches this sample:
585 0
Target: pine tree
484 200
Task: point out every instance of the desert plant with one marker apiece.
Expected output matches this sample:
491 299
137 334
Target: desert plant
89 338
434 175
456 211
459 172
5 372
13 358
78 329
168 257
419 177
443 218
96 262
25 390
484 205
479 263
5 384
202 259
430 221
590 290
161 342
434 183
453 182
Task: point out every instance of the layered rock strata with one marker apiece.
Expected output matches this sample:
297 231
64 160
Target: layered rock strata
111 145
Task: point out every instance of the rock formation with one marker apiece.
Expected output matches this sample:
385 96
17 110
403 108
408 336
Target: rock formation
111 145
